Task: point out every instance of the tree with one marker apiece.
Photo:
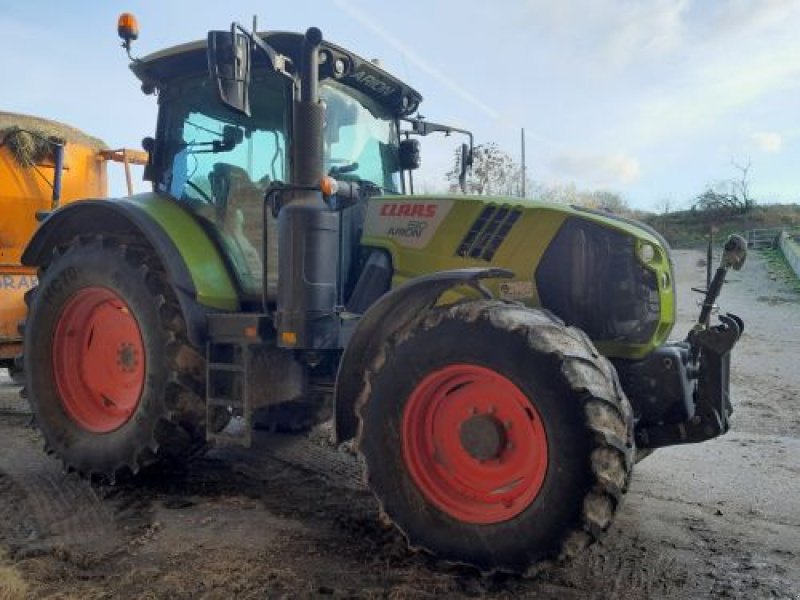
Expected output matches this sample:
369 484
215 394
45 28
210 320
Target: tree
731 195
664 206
493 172
607 201
568 193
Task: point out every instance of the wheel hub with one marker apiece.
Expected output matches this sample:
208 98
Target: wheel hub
127 357
483 437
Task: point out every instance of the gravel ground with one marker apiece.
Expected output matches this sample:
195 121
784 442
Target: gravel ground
290 518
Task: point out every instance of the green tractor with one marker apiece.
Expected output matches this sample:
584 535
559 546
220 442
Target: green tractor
497 362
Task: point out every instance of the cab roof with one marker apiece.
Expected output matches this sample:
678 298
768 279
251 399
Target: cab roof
159 68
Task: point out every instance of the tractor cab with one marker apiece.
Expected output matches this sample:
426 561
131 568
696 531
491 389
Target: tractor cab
219 162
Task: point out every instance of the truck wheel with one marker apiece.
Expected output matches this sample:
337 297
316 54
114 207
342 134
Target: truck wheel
495 436
117 385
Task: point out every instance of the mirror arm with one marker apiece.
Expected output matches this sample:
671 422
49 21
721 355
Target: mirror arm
280 63
421 127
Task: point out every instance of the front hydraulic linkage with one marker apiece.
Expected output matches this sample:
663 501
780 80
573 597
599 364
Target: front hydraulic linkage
709 357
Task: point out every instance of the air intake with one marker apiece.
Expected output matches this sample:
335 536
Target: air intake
488 232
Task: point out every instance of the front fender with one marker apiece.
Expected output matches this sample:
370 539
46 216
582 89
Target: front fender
388 315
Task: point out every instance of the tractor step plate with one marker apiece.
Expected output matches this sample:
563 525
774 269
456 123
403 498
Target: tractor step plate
227 372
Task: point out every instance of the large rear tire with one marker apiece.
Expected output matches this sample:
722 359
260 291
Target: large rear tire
495 436
117 385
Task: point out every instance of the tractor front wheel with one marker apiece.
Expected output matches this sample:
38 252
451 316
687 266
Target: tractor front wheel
117 385
495 436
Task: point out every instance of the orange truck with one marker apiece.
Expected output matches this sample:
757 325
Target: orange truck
43 164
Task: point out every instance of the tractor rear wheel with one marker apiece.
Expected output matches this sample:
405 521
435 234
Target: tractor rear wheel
117 386
495 436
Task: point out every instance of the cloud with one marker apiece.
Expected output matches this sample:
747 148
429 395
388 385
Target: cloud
669 70
727 70
413 57
600 170
767 141
645 31
614 33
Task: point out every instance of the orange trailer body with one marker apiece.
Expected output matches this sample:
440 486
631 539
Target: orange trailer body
26 190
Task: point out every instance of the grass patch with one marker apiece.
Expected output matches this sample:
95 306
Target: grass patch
12 585
779 266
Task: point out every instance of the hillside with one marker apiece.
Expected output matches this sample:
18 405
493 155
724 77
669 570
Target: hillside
690 228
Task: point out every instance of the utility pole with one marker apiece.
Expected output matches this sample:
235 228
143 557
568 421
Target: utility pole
522 142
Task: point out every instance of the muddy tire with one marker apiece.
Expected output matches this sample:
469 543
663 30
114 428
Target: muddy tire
117 386
495 436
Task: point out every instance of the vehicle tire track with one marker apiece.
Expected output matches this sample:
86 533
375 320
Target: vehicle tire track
64 510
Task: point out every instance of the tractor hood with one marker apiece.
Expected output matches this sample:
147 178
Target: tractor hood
158 69
610 276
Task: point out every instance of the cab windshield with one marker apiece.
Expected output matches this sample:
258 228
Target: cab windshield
360 140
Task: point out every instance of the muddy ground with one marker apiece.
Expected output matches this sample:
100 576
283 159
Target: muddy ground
290 519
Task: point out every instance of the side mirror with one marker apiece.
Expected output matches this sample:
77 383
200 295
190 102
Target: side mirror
465 163
409 155
232 136
229 66
149 146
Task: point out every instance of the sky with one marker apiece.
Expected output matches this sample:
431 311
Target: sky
651 99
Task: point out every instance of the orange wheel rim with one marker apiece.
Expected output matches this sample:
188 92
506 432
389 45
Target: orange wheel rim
474 444
98 360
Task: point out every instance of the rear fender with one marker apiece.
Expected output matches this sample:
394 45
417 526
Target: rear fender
192 262
389 314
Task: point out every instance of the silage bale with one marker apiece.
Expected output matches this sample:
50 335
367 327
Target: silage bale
30 140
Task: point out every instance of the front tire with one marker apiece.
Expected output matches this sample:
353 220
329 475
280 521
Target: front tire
495 436
117 385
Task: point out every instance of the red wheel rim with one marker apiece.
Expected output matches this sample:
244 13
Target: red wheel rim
474 444
98 360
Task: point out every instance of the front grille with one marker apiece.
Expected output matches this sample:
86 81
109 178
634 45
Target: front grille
590 277
488 231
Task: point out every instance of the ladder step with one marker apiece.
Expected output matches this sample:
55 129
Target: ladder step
227 374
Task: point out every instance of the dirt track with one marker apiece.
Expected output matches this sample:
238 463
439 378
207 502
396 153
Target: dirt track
719 520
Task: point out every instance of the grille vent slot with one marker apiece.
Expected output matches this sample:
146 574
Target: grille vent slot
488 232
